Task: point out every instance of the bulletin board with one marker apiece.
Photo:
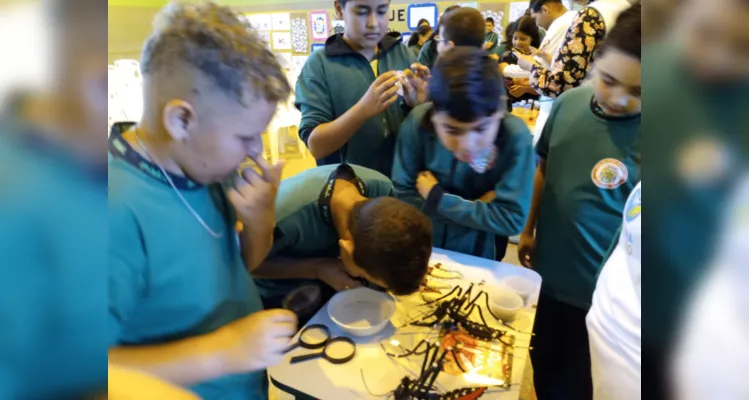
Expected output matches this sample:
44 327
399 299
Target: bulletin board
417 12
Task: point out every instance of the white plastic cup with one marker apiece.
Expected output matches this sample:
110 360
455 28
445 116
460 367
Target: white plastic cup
520 285
505 304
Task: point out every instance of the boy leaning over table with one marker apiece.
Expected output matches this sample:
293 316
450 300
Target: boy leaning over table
344 210
463 161
182 304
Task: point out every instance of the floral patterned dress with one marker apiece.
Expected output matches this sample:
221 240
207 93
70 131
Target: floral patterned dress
575 56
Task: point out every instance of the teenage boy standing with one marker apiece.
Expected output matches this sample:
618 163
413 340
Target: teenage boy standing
463 161
182 304
348 92
590 162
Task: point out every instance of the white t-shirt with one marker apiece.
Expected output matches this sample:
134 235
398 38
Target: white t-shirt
711 360
614 319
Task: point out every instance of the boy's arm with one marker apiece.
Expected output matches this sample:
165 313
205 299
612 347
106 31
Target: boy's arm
129 384
408 161
539 179
505 215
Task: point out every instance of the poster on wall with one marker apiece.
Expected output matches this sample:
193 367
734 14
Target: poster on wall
472 4
280 21
260 22
265 37
281 40
285 60
417 12
299 34
517 9
319 23
297 63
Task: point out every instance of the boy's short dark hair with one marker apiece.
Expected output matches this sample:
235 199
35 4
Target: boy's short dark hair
490 19
214 40
537 4
392 242
466 84
626 34
464 27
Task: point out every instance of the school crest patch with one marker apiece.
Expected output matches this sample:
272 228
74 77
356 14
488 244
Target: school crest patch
609 173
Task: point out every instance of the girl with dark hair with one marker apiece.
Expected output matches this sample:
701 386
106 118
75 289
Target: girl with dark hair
590 151
524 38
419 36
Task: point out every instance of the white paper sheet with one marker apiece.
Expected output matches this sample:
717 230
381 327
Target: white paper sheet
417 13
281 40
260 22
281 21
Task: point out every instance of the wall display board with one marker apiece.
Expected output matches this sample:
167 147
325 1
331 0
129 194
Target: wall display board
260 22
297 63
416 12
471 4
319 25
285 60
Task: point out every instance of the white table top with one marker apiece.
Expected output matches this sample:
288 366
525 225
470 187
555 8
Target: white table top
322 380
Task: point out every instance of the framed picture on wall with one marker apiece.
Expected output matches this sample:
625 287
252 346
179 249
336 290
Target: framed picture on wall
281 40
416 12
319 23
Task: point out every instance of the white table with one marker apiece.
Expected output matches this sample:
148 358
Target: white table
322 380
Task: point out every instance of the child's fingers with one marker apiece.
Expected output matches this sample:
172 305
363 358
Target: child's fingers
385 77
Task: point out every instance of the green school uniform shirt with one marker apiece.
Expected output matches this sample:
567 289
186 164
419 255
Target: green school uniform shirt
53 344
705 123
169 279
304 227
493 38
460 222
334 80
592 165
428 53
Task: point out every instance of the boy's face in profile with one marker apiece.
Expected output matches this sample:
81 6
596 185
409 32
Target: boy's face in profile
214 133
618 83
366 21
716 38
467 141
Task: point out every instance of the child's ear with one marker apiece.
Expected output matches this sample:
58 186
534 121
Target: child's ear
178 118
338 10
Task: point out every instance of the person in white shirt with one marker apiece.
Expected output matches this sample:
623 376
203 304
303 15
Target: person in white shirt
614 319
711 358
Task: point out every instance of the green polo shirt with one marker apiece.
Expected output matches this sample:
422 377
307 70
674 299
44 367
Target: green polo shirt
493 38
700 124
169 279
461 223
53 343
334 80
592 165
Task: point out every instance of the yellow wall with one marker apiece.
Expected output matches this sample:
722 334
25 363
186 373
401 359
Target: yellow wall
130 20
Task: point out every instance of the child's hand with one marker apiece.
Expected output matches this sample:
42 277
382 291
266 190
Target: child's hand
258 341
253 195
424 183
381 94
415 87
524 61
525 249
488 197
336 276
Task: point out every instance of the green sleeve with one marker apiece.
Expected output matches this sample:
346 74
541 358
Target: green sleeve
494 39
426 55
507 213
542 146
408 162
127 264
313 97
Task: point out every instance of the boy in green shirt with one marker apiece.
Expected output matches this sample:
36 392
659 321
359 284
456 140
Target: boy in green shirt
590 162
491 40
53 212
428 54
345 210
348 94
182 304
463 161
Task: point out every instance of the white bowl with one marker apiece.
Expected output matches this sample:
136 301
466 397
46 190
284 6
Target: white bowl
361 311
521 285
505 303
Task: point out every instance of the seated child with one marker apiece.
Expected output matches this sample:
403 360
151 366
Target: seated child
590 152
348 92
465 162
344 210
525 38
